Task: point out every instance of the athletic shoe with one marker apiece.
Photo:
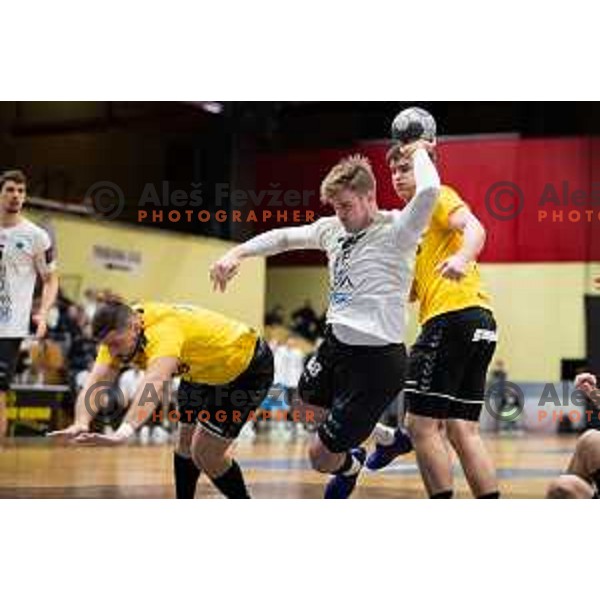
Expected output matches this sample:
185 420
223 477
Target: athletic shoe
384 455
341 487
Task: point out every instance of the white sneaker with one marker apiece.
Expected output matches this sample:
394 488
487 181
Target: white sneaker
160 435
144 434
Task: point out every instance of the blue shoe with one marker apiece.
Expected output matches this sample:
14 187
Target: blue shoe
341 487
384 455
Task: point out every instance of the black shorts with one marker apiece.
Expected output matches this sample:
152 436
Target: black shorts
9 354
448 365
356 384
224 409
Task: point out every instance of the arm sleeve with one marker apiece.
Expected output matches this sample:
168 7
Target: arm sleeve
287 238
413 220
449 202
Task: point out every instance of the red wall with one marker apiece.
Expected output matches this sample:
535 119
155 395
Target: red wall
473 167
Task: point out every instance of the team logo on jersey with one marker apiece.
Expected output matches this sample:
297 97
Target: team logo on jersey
342 285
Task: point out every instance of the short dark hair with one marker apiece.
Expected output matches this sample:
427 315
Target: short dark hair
13 175
394 153
111 316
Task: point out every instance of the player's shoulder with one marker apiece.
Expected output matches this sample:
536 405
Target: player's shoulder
325 223
327 228
33 229
449 194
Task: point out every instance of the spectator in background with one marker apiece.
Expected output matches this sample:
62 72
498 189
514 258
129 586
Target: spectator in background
82 349
47 362
305 321
90 303
275 316
289 364
81 376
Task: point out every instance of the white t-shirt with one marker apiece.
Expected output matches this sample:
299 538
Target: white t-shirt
129 382
289 364
25 251
370 271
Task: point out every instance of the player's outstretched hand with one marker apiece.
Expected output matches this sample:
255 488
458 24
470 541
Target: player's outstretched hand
223 270
69 433
454 267
408 150
99 439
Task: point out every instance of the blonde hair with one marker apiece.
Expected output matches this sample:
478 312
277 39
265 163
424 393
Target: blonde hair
353 173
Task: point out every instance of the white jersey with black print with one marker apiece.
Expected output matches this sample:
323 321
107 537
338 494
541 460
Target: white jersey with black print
370 271
25 251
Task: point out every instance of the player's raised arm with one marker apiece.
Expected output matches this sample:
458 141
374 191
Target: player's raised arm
265 244
416 215
147 397
101 378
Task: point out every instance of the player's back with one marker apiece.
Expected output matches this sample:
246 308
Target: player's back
212 347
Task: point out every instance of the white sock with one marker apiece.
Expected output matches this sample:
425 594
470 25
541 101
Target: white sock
384 435
355 468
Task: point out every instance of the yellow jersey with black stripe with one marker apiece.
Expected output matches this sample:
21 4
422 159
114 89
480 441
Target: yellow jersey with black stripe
436 294
211 348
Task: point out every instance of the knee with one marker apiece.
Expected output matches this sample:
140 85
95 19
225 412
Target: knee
588 442
207 456
421 428
568 486
320 457
459 432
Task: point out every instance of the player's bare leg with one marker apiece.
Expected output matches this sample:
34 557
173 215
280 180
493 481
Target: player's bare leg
474 457
323 460
570 487
210 454
433 456
583 469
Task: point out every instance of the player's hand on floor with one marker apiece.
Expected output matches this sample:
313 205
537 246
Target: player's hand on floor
222 271
69 433
454 267
99 439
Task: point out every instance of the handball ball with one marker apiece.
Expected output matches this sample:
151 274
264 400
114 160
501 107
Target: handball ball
413 124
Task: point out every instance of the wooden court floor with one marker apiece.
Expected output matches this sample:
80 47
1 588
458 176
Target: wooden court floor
37 468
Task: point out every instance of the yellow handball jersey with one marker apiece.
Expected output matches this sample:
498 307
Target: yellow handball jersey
211 348
436 294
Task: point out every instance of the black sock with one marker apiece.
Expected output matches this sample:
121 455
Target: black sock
445 495
231 483
186 477
490 496
596 479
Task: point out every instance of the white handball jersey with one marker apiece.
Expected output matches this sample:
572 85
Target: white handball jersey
370 271
25 251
